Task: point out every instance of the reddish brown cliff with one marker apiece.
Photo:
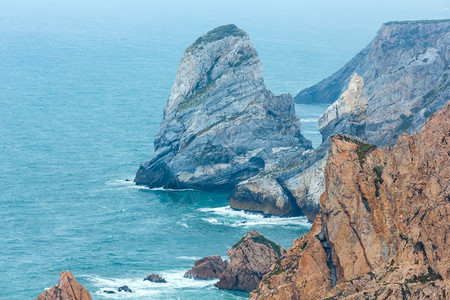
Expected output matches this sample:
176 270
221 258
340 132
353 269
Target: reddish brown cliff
67 289
383 229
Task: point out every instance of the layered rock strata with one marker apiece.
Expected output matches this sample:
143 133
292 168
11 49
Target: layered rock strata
406 73
383 228
250 259
221 125
67 289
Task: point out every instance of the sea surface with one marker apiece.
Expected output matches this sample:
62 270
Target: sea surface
83 85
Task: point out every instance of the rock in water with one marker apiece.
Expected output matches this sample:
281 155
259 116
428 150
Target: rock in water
406 73
250 259
125 289
383 228
67 289
155 278
207 268
221 126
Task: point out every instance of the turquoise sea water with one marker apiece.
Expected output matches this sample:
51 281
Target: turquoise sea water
82 90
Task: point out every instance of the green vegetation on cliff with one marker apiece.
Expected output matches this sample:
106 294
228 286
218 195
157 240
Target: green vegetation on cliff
217 34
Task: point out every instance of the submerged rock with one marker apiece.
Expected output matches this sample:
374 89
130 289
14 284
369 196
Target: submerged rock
67 289
207 268
406 73
221 125
383 228
155 278
250 259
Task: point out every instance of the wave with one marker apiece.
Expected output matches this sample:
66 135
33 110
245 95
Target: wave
228 216
175 284
188 257
308 120
126 183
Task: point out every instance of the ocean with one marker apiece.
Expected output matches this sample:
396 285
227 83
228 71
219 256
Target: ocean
83 85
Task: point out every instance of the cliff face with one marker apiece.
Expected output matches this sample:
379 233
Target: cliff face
67 289
383 227
405 70
221 125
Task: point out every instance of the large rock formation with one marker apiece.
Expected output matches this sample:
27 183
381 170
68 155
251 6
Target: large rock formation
383 228
221 126
207 268
347 114
405 70
250 259
67 289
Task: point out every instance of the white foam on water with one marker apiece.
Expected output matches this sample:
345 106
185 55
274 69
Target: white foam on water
123 184
183 224
308 120
193 258
146 289
238 218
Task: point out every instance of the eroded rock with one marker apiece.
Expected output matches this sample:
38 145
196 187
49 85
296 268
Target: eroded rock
207 268
67 289
155 278
221 125
406 73
250 259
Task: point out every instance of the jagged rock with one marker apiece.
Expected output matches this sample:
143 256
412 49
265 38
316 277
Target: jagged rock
250 259
155 278
347 114
125 289
207 268
406 73
67 289
383 227
221 126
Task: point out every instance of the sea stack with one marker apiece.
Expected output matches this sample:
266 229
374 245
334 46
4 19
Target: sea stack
221 125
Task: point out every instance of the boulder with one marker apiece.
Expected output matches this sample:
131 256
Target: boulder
207 268
250 259
125 289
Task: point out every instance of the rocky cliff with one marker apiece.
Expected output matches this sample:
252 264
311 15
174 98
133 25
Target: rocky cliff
250 259
383 228
221 125
67 289
405 69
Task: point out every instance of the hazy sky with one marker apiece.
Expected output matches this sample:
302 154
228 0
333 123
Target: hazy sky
285 32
